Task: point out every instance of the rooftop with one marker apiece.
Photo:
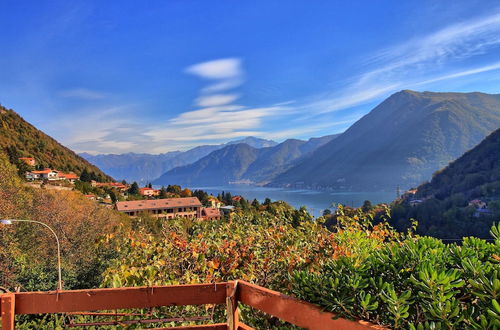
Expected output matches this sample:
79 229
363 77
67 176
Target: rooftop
157 204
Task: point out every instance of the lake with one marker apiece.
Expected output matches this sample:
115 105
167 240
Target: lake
315 201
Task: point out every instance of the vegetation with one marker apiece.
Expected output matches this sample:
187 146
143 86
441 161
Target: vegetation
28 251
408 281
18 138
443 208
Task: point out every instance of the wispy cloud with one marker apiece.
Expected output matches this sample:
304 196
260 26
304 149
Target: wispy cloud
417 62
82 93
215 100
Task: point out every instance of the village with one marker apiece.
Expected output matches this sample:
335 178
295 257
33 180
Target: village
165 203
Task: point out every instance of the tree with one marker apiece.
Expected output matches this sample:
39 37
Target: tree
150 185
367 206
267 201
186 193
327 212
174 189
112 195
134 189
163 192
256 203
85 176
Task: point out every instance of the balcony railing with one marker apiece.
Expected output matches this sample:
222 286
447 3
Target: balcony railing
231 293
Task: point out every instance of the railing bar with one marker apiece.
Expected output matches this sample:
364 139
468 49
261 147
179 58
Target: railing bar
173 319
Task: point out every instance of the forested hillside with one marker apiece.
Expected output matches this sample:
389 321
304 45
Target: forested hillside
18 138
401 142
28 251
462 199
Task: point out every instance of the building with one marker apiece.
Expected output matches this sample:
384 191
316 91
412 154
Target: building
214 202
227 209
71 177
117 185
415 202
478 204
236 199
28 160
168 208
210 213
46 174
146 191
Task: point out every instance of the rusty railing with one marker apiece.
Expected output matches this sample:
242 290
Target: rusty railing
231 293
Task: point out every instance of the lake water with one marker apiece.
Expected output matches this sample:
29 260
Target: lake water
315 201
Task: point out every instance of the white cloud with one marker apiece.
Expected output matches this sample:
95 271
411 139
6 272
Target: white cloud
216 100
227 68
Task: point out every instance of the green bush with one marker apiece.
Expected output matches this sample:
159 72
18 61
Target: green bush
412 282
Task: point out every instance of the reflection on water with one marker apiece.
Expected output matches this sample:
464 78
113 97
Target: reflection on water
315 201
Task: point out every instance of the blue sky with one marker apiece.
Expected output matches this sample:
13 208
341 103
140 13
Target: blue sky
156 76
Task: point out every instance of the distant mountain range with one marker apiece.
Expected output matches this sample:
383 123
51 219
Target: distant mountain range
462 199
242 163
401 142
144 168
18 138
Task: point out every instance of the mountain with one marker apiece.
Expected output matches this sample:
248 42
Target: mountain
18 138
242 163
447 206
255 142
147 167
399 143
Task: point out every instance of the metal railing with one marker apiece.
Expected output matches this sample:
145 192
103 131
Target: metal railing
231 294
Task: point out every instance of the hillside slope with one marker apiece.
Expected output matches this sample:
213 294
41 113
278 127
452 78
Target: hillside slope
242 162
18 138
147 167
399 143
447 206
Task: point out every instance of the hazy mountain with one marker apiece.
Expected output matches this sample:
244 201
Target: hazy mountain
18 138
241 162
255 142
441 206
147 167
400 142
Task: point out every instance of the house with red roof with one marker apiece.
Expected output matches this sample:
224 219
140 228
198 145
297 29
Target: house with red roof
211 213
149 192
45 174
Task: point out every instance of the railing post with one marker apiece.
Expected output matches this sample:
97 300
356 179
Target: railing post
8 301
232 306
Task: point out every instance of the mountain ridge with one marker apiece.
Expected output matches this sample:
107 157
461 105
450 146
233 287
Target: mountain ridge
143 167
401 142
242 163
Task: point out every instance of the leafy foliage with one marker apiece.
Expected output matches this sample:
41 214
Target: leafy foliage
28 251
411 282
